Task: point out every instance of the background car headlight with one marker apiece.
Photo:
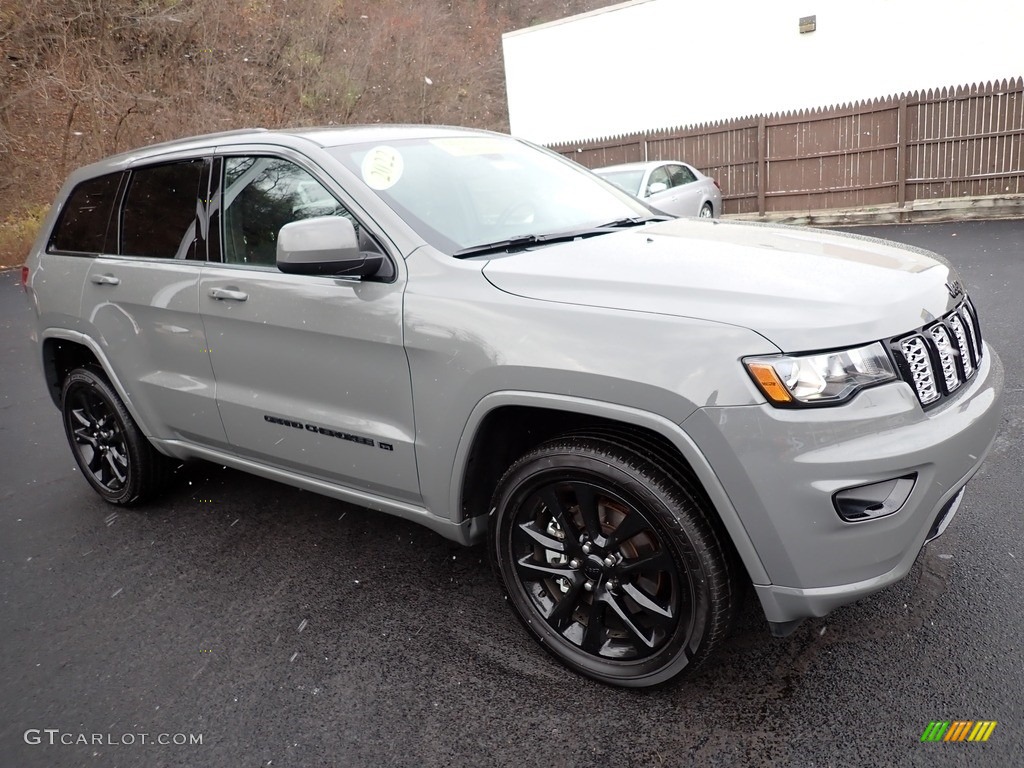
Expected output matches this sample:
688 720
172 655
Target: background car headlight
826 378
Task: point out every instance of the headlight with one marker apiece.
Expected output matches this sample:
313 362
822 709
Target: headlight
822 379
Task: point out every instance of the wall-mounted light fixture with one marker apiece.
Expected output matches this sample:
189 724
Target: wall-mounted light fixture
808 24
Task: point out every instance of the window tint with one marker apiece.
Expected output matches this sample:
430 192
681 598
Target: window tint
261 195
83 223
681 175
158 218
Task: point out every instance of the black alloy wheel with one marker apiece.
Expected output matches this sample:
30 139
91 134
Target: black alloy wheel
113 454
610 564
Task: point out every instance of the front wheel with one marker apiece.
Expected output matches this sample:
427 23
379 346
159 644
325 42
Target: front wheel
113 454
610 564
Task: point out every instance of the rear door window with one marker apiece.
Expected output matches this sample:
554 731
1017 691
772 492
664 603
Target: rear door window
159 217
680 175
85 220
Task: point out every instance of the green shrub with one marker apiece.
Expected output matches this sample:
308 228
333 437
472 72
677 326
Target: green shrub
18 232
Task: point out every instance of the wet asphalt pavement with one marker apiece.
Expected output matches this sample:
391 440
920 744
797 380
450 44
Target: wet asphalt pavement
288 629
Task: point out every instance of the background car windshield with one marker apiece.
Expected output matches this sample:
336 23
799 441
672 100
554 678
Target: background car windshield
459 192
627 180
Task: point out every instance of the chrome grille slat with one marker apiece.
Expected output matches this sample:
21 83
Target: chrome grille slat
965 314
946 356
916 354
966 354
939 358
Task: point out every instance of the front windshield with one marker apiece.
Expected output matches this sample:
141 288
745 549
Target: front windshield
627 180
461 192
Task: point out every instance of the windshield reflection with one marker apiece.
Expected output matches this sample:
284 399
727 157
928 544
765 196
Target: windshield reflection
460 192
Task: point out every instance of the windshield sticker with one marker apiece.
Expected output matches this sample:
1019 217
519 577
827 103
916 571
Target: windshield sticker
382 167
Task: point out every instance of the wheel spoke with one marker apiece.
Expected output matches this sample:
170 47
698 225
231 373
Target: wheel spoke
541 569
627 620
118 463
88 406
82 437
661 614
593 635
655 561
95 463
627 529
542 538
79 416
570 545
587 499
563 610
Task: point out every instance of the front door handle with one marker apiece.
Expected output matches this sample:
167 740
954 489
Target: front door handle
231 294
105 280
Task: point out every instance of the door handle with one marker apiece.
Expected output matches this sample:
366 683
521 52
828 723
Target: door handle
230 294
105 280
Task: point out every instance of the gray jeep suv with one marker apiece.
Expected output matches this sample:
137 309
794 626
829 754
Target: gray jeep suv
641 416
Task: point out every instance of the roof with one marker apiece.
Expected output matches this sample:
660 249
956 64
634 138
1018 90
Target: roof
642 166
321 137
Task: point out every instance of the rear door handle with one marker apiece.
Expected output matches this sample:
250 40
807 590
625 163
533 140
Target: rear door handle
229 294
105 280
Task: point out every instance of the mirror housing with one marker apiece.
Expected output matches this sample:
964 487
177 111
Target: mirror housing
656 187
326 245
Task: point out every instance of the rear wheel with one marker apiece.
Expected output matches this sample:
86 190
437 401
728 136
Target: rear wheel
609 564
113 454
706 211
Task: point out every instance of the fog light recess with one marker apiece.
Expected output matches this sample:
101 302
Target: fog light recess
870 502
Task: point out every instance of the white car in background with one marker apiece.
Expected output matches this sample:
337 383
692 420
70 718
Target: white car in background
673 187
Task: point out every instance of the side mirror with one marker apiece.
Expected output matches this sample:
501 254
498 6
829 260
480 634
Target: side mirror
324 246
656 187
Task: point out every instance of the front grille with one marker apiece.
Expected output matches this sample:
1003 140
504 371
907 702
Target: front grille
938 359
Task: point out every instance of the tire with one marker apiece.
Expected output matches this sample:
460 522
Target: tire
706 212
609 564
115 457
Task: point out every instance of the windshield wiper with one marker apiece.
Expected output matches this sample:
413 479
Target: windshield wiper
524 241
499 246
633 222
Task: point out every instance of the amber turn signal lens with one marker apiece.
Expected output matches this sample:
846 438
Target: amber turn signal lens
769 382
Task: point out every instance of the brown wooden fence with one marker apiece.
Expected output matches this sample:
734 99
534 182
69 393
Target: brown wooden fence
962 142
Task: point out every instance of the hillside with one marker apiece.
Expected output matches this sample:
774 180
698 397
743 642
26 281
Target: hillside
81 79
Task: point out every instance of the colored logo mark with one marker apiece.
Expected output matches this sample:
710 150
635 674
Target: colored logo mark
959 730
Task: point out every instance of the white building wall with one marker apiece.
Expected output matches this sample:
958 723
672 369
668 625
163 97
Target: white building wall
658 63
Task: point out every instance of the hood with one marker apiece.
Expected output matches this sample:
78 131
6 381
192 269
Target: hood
803 289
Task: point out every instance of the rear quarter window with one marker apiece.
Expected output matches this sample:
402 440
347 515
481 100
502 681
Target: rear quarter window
83 224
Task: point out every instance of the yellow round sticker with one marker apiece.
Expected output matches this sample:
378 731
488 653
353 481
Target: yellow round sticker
382 167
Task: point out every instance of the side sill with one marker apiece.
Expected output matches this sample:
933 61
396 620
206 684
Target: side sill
458 532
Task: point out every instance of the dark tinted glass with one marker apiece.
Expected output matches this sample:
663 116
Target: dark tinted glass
158 218
681 175
83 224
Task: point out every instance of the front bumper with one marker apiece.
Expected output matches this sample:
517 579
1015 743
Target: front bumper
781 468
